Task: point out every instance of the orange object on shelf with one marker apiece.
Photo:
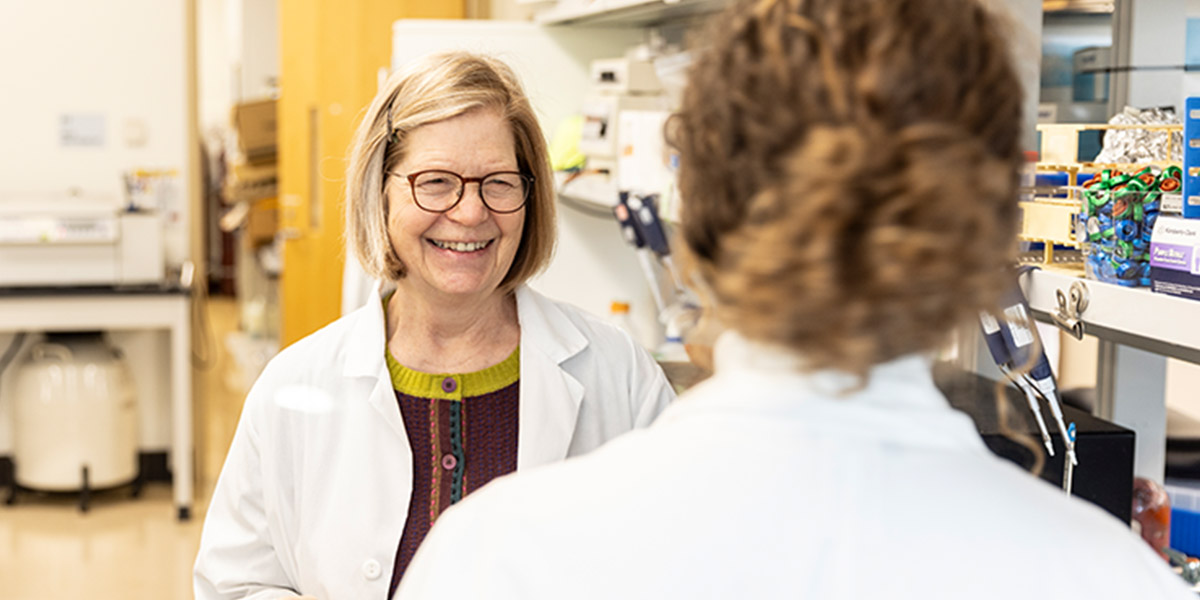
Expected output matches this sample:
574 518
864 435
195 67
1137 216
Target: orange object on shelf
1152 514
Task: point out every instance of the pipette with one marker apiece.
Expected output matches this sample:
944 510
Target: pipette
1042 380
635 234
650 225
999 350
1020 336
1069 467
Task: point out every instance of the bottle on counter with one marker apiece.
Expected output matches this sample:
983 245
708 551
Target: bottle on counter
672 349
618 314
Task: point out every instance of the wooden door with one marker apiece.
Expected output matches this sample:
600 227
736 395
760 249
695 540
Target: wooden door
332 51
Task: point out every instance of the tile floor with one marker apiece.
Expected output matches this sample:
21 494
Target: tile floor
128 549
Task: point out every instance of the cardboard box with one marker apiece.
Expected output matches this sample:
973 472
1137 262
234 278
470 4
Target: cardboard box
248 183
262 221
1175 257
257 130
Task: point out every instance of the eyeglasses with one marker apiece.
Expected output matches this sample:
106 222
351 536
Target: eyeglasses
439 191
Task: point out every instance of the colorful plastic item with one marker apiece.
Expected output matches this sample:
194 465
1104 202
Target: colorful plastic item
1118 215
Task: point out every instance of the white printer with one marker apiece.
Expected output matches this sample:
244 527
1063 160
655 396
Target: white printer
77 241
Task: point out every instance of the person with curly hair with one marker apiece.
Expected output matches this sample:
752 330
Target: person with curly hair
848 174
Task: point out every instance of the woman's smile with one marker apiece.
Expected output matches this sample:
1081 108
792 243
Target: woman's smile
461 247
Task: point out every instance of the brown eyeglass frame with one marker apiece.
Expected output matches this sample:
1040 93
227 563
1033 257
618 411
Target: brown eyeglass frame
412 186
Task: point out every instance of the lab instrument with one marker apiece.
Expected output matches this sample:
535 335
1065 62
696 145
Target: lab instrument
1000 354
75 420
1020 339
68 241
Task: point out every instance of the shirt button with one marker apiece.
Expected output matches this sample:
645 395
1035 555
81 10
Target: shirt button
449 385
449 462
371 569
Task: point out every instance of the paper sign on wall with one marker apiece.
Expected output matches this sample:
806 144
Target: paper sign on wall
81 130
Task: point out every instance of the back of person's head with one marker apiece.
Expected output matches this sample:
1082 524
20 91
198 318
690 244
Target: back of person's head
434 88
848 172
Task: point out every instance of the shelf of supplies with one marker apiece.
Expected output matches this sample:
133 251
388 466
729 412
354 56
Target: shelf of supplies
630 13
592 193
1135 317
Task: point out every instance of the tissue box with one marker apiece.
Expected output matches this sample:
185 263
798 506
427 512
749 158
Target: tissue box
1175 257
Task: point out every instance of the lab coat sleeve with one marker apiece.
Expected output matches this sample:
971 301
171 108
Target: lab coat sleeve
652 392
465 558
238 557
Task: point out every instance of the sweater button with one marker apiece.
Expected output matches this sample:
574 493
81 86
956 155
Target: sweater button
449 385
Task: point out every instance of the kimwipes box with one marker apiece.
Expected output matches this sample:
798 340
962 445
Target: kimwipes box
1175 257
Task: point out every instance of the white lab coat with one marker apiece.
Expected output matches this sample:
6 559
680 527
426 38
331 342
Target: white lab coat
314 493
765 483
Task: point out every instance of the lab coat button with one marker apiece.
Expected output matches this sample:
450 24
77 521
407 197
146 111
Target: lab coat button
449 462
371 569
449 385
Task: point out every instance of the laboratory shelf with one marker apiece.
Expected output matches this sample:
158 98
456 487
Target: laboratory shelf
631 13
593 192
1134 317
1138 330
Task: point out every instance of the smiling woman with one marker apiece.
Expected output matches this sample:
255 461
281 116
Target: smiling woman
457 374
455 247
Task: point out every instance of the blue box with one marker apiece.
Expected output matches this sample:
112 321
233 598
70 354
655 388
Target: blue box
1185 515
1191 159
1185 531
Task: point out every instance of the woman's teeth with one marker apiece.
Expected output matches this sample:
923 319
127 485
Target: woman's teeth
461 246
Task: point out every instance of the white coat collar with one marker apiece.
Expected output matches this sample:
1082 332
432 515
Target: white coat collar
550 396
898 404
734 353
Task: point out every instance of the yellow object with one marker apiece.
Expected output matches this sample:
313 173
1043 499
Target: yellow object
619 307
331 54
564 148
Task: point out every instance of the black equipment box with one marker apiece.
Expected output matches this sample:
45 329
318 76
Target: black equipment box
1104 475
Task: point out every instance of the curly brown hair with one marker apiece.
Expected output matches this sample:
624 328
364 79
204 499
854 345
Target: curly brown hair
849 172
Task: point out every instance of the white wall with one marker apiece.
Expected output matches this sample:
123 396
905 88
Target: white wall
122 60
260 49
503 10
214 61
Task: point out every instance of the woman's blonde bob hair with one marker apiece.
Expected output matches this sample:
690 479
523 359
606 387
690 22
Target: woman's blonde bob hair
434 88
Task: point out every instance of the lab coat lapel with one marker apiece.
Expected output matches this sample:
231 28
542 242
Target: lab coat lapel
550 396
364 359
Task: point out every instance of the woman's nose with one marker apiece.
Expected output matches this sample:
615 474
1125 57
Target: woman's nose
470 208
